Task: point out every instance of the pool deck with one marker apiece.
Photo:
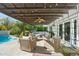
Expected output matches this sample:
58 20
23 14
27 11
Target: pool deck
13 49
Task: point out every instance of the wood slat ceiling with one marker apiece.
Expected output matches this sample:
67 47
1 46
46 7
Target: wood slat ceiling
29 12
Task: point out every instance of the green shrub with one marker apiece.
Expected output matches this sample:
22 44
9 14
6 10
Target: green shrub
40 28
3 27
15 30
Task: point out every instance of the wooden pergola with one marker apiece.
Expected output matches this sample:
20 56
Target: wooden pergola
29 12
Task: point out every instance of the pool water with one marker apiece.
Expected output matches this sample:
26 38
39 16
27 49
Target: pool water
4 39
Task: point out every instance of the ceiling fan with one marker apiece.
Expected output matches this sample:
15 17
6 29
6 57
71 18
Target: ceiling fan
39 20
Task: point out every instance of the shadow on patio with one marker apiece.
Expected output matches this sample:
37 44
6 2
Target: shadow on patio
39 50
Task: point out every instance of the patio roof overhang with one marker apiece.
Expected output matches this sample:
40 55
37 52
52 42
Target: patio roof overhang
28 12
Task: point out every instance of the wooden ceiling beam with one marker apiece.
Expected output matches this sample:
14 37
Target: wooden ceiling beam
38 12
47 5
58 8
35 14
36 17
35 10
4 6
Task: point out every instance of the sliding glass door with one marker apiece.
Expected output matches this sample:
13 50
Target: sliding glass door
60 30
75 32
67 31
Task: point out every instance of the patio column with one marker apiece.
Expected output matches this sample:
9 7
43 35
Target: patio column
56 28
63 31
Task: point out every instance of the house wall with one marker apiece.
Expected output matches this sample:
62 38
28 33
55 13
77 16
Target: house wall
70 17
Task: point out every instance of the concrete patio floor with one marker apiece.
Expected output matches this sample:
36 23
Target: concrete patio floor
13 49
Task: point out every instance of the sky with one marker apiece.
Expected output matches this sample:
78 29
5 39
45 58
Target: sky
5 16
2 15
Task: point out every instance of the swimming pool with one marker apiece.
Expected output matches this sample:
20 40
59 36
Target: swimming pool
6 38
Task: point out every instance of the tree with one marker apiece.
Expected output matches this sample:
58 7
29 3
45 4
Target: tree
6 23
3 27
15 30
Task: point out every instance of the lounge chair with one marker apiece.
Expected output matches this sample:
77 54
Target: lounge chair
27 43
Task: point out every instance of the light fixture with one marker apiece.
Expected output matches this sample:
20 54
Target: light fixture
39 20
32 11
56 4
